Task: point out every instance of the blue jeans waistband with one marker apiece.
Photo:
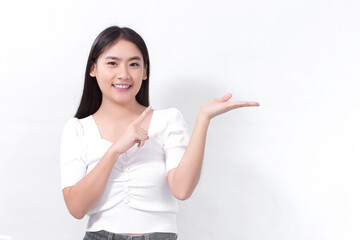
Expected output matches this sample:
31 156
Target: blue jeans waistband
105 235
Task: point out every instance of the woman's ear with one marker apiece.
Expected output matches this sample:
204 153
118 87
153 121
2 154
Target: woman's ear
92 71
144 75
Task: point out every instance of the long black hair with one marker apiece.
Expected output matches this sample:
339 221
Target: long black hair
91 98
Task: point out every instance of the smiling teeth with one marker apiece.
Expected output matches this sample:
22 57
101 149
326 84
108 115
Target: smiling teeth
122 86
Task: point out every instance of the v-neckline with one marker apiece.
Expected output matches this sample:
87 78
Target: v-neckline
101 138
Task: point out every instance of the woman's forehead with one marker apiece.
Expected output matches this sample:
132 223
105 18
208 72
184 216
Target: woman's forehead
122 49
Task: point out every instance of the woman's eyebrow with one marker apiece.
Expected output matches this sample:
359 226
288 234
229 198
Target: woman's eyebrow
116 58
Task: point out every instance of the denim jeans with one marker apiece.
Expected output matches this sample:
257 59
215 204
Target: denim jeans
104 235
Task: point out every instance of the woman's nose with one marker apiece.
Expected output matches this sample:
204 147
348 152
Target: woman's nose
122 72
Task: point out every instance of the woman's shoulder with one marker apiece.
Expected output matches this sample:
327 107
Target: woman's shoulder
75 124
169 112
74 120
171 116
70 122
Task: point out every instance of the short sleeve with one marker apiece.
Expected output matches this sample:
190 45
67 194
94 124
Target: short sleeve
72 164
176 138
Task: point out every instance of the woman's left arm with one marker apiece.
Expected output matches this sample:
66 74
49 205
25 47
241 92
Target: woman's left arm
184 178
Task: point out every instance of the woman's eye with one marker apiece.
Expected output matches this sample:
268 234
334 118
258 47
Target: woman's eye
112 63
134 64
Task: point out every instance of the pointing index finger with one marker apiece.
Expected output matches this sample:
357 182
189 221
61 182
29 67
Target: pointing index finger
142 115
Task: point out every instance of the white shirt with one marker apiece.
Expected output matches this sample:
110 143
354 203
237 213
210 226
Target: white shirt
137 197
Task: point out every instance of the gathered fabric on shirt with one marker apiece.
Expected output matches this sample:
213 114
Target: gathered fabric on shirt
137 197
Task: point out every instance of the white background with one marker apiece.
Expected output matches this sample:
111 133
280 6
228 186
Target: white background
286 170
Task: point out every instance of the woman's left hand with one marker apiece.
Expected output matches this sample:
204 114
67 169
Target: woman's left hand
214 107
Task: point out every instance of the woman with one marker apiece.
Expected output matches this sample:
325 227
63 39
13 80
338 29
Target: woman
123 163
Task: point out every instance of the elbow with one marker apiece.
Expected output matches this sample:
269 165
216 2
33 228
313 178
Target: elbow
74 207
182 196
78 216
76 213
180 189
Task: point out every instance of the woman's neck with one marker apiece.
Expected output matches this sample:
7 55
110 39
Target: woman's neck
117 112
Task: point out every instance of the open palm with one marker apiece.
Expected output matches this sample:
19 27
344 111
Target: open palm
214 107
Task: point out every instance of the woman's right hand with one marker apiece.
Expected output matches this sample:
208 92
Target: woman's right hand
82 196
133 134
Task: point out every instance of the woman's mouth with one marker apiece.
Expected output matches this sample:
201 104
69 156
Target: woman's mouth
121 87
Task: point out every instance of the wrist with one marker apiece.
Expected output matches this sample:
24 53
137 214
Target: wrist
203 118
113 152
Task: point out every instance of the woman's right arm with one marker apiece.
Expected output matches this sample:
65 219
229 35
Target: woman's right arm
82 196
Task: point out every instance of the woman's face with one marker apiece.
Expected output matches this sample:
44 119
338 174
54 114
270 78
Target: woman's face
119 72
